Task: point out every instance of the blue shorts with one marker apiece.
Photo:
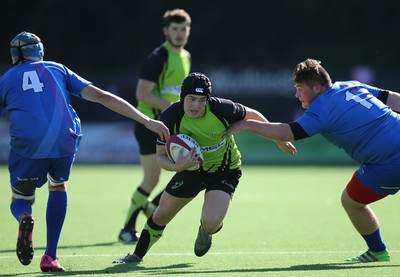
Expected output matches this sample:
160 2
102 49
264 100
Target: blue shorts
34 171
380 178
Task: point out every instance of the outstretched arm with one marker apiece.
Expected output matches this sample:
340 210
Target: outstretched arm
269 130
121 106
254 115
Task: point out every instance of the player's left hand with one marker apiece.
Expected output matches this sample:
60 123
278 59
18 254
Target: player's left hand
187 161
158 127
287 147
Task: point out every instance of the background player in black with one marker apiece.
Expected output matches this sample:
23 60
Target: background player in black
159 84
206 120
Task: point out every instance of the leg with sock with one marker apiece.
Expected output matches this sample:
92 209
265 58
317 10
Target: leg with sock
376 250
365 221
55 215
22 210
20 207
151 233
375 241
128 234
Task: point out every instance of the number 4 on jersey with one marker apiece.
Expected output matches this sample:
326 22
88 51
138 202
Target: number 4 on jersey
30 80
358 99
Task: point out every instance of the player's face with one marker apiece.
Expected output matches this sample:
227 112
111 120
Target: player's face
306 94
194 105
177 34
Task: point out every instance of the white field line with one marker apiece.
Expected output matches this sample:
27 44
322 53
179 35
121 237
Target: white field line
215 253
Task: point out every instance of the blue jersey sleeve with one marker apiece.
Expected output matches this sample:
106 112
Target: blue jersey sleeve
373 90
71 82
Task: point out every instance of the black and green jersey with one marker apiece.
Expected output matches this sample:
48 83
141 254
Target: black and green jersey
220 154
167 69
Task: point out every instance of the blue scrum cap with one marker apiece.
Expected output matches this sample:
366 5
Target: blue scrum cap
26 46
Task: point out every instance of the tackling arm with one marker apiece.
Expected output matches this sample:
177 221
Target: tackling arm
283 135
121 106
273 131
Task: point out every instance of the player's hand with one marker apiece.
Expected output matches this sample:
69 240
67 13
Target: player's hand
184 162
157 127
287 147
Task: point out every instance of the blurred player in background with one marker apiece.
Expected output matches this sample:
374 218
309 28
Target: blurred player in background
361 120
45 133
158 86
205 119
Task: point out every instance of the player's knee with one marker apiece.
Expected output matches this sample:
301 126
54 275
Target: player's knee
24 190
56 185
348 203
161 218
59 187
345 200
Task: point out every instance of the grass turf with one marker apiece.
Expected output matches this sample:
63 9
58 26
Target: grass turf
283 221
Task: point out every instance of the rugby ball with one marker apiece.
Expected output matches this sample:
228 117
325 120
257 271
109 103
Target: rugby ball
177 141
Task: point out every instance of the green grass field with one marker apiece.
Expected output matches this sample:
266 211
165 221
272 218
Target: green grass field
283 221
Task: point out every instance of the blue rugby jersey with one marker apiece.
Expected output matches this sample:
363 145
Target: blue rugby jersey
349 115
36 96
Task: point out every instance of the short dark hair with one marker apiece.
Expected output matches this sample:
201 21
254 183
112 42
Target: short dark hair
311 72
176 15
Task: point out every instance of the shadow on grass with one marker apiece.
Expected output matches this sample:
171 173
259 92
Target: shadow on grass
70 246
116 268
308 267
183 268
188 268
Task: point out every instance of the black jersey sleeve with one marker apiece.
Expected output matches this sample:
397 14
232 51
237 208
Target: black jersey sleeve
298 131
153 65
227 110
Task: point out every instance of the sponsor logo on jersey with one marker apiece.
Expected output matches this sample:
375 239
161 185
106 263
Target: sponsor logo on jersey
213 148
189 138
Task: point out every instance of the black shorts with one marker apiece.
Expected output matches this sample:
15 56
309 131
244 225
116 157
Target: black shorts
146 139
187 184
